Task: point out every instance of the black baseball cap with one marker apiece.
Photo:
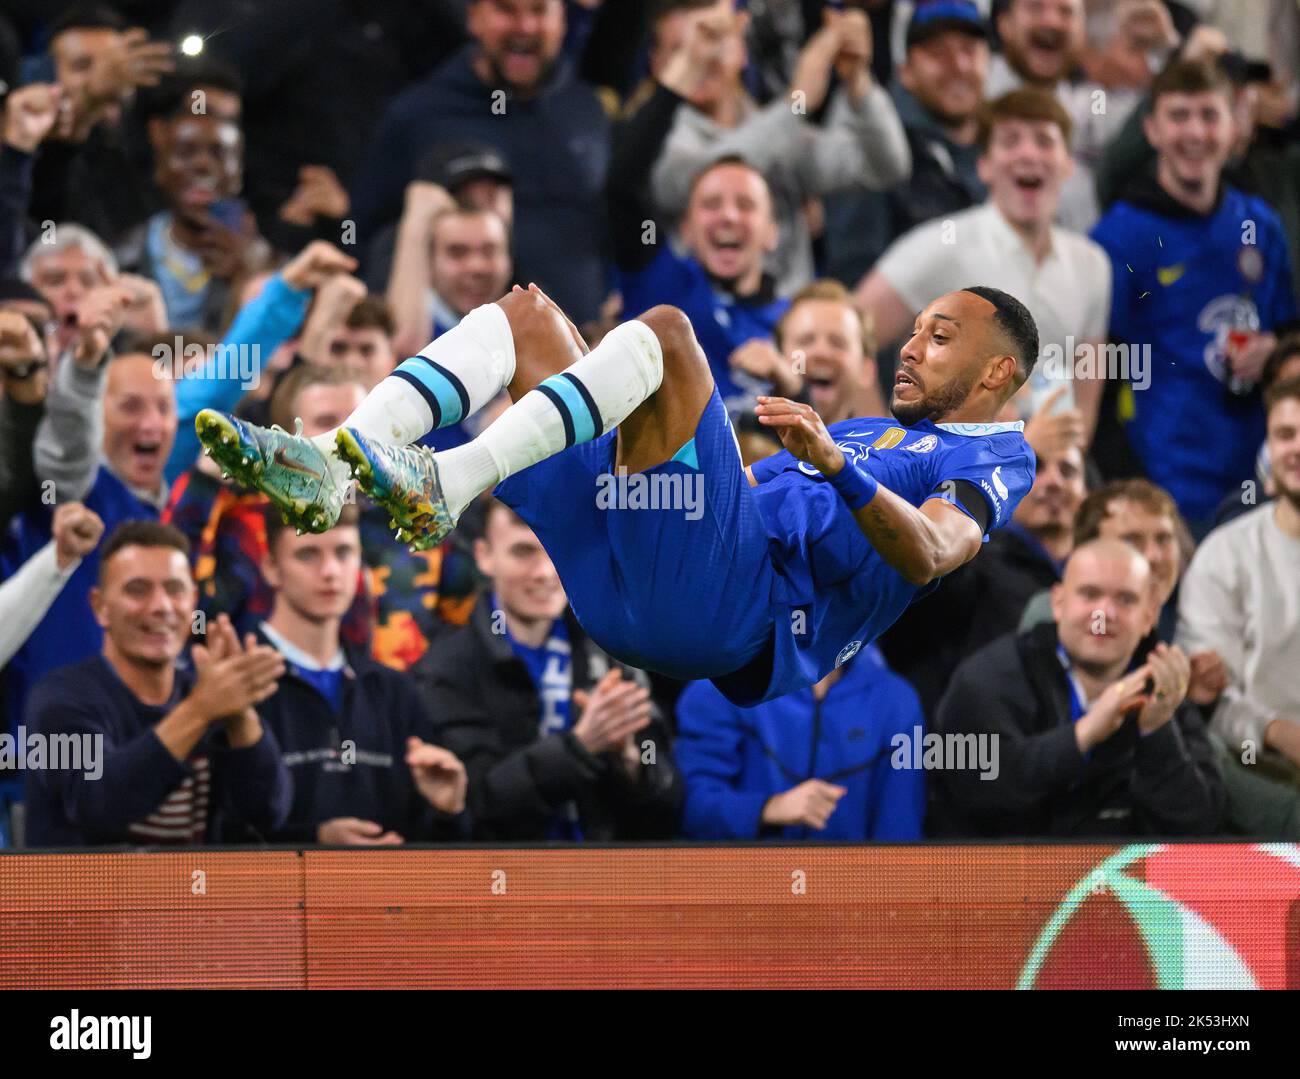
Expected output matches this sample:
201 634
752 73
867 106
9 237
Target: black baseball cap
940 16
451 164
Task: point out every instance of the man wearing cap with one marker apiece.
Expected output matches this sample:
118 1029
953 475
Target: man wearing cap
937 94
450 258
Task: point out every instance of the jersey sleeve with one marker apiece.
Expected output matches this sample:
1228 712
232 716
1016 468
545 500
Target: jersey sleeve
771 467
1001 467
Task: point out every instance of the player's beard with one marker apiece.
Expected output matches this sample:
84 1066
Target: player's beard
935 406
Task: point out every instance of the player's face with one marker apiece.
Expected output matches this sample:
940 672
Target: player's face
823 339
520 39
139 421
1042 38
1102 608
946 75
366 352
1025 165
315 575
522 574
944 359
471 260
1056 494
1284 448
729 225
1153 535
1192 134
323 407
199 162
145 604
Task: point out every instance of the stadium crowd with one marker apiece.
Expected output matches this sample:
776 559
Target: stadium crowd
263 207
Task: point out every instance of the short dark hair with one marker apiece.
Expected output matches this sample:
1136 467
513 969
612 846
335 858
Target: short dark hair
372 312
87 17
1287 349
1014 320
273 522
141 534
1027 103
173 97
1286 390
1190 77
1095 508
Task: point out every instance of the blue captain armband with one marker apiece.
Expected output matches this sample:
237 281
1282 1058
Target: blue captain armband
856 487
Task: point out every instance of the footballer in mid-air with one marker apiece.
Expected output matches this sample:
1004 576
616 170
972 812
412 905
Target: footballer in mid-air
794 564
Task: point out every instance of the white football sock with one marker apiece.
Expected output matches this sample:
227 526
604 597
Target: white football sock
451 379
594 395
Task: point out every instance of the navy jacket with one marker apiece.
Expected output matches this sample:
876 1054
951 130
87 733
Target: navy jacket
1166 783
734 759
353 763
557 146
486 710
247 790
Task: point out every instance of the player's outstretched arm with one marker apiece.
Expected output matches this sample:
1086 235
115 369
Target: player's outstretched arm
921 544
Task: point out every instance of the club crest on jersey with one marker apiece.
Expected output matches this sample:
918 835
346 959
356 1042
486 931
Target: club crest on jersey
923 445
848 652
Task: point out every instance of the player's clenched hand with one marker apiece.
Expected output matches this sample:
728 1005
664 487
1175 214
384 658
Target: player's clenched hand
802 433
811 804
615 708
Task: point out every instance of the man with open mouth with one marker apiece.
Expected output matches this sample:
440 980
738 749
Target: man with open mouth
1012 241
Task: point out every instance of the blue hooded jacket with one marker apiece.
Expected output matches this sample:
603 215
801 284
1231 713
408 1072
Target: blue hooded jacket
734 759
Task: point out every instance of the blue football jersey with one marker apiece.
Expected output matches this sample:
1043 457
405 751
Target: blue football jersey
835 593
1182 282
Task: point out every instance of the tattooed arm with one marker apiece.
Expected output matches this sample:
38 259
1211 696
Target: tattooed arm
921 544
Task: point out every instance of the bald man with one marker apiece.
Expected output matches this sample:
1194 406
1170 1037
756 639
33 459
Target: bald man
1089 743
